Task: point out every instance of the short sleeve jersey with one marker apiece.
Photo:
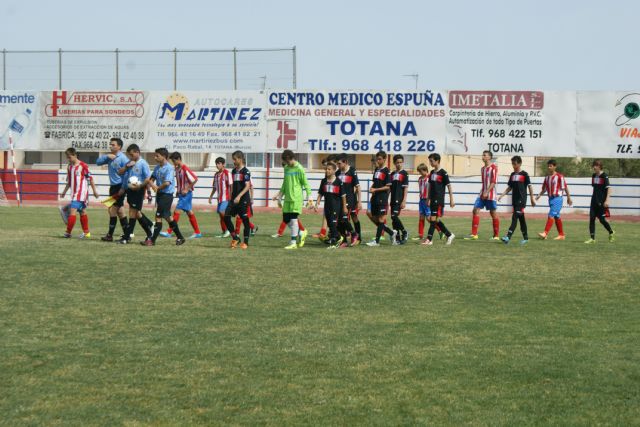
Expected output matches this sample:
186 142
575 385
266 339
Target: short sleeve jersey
381 178
165 173
600 184
79 178
140 170
240 178
349 181
518 182
399 181
332 192
438 181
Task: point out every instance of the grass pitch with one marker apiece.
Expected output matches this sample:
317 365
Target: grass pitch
482 333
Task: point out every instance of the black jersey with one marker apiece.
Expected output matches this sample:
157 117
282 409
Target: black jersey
519 182
240 178
349 181
399 181
438 181
600 184
381 178
332 193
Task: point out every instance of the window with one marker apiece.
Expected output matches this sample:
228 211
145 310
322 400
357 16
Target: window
32 157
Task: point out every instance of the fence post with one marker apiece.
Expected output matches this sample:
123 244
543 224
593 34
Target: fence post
175 68
60 68
235 69
117 69
295 74
4 69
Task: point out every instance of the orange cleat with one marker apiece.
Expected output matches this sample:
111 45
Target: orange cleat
560 237
243 246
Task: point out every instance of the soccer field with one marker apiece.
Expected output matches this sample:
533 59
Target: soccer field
95 333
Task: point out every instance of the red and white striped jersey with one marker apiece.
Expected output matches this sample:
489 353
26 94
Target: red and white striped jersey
423 187
489 175
222 185
184 178
554 184
78 177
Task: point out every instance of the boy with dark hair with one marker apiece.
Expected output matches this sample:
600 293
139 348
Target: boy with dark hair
518 183
349 177
294 182
221 185
185 183
163 183
599 202
438 182
399 190
334 198
78 179
322 235
115 161
240 199
135 191
554 184
378 204
487 197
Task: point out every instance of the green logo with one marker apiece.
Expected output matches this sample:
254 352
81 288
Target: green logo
632 110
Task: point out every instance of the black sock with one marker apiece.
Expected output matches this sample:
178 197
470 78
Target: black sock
146 221
432 229
145 226
444 228
523 227
156 231
514 223
124 223
606 225
174 226
230 228
379 232
112 225
246 229
356 225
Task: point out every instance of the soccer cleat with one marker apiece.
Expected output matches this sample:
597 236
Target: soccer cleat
405 237
292 245
373 244
254 231
243 246
180 242
334 246
394 238
107 238
303 237
560 237
496 238
471 237
612 237
147 242
276 236
165 234
124 241
590 241
84 236
450 239
543 235
64 213
355 240
196 236
344 245
66 235
506 239
427 242
417 238
234 243
524 241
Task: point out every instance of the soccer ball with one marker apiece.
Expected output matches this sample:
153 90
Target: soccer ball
133 181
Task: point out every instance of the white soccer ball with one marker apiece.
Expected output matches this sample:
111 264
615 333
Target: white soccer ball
133 181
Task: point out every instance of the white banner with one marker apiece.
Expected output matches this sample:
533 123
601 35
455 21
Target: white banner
608 124
18 116
356 122
529 123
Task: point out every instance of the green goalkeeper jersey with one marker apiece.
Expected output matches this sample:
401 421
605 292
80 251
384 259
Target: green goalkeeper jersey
295 180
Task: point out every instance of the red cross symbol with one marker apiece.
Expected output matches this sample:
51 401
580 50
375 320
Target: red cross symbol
286 134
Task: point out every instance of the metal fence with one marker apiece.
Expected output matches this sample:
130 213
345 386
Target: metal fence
184 69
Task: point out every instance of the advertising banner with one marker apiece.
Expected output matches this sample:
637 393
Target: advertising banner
18 117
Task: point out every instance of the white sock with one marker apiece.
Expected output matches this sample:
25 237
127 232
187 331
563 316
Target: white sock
293 224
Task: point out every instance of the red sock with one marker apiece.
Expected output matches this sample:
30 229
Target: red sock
71 222
496 227
438 228
194 223
547 227
283 225
559 226
300 226
252 226
323 231
421 227
84 220
475 223
223 225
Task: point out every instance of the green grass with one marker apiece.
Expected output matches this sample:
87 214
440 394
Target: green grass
478 333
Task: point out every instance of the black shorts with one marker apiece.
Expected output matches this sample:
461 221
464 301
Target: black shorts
288 216
599 211
396 208
437 208
240 209
378 207
136 199
113 190
163 205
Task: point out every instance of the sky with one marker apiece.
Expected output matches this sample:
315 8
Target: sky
552 45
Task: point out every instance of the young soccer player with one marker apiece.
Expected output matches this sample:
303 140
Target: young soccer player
115 161
139 168
518 184
487 198
78 180
599 202
295 180
378 204
423 204
554 184
240 199
349 177
322 235
253 228
185 183
438 182
399 190
221 185
334 198
163 183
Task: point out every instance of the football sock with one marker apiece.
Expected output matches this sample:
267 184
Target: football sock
283 225
112 225
156 231
124 223
84 221
223 224
523 227
432 229
246 229
356 225
145 226
300 226
475 224
71 222
421 227
176 230
603 221
443 228
293 224
559 226
176 218
592 226
548 226
229 224
194 222
496 227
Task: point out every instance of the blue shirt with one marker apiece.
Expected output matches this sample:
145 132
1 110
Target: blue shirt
163 174
113 167
140 169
